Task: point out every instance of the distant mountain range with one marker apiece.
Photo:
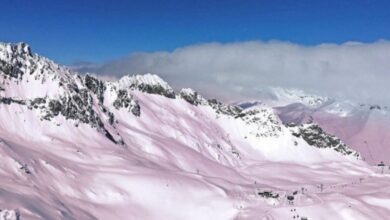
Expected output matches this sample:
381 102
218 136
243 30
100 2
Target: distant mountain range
364 127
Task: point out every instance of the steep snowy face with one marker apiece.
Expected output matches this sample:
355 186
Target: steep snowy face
149 83
28 75
35 84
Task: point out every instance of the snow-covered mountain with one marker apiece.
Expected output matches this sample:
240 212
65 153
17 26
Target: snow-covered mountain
364 127
75 147
276 96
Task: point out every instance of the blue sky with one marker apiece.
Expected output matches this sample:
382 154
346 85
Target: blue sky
69 31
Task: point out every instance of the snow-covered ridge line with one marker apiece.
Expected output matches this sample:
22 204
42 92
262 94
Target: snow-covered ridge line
19 63
314 135
51 90
148 82
86 99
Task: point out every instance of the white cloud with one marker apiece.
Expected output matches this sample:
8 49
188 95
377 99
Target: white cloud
358 71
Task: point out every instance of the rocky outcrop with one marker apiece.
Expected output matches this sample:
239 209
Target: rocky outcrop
221 108
96 86
126 100
8 101
78 106
12 60
264 120
192 97
315 136
148 83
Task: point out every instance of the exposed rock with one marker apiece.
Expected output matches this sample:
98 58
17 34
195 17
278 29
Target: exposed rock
8 101
268 194
12 62
36 103
125 100
315 136
96 86
148 83
111 118
78 106
223 108
265 120
192 97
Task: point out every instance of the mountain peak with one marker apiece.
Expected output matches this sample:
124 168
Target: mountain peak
148 78
14 49
192 96
148 82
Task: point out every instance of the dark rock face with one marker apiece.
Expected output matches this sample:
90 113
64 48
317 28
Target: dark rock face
111 118
191 96
125 100
268 194
8 101
221 108
148 83
55 107
14 65
77 106
315 136
9 70
96 86
36 103
154 89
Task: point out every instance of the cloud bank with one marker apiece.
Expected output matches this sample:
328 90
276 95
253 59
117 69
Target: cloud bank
356 71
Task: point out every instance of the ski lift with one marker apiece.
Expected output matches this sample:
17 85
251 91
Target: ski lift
381 165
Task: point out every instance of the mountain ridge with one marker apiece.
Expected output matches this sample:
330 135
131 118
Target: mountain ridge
84 99
83 148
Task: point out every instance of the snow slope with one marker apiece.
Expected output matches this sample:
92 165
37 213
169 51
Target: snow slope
363 127
75 147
